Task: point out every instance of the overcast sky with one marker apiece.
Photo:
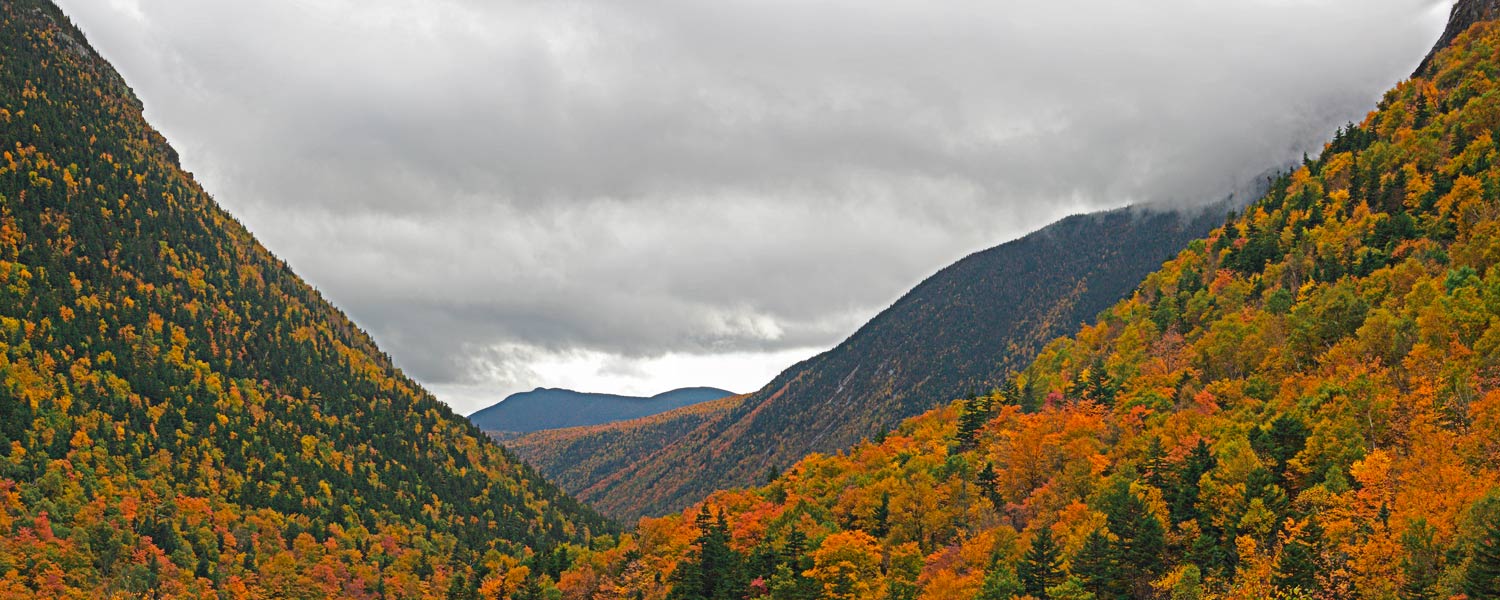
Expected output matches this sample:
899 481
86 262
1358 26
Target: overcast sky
631 196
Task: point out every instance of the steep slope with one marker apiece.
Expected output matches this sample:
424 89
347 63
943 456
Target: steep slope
547 408
1465 13
1305 404
180 415
960 331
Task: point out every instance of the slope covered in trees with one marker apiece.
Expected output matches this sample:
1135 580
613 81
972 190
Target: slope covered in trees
181 416
963 329
1304 404
549 408
576 457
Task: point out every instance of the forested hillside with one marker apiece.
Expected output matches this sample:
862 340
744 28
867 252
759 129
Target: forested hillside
1304 404
181 416
578 457
960 331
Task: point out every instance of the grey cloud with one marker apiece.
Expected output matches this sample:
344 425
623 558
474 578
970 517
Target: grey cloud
484 183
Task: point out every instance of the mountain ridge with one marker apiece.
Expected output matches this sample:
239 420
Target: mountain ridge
1000 303
553 408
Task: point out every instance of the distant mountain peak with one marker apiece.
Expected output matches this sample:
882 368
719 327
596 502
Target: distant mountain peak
553 408
1464 15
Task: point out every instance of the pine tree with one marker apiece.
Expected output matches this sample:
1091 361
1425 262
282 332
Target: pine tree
1041 568
1482 578
1183 501
1422 563
1280 442
989 484
973 414
531 589
713 571
1141 539
789 582
882 516
1155 465
1297 566
1000 583
1097 566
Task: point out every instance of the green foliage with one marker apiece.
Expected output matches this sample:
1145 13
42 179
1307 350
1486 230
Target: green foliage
1041 568
1000 583
1482 575
1297 565
1421 562
714 571
1098 569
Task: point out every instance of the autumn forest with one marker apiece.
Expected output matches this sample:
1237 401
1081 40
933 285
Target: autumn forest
1301 401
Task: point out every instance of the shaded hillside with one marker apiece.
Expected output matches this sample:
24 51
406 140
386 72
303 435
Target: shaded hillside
181 415
1304 404
547 408
960 331
577 456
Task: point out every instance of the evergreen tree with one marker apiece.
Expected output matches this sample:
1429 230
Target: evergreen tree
1097 567
1482 578
1422 563
1000 583
989 484
790 582
1183 500
531 589
713 571
1041 568
1141 538
1297 566
1155 465
882 517
973 414
459 588
1280 442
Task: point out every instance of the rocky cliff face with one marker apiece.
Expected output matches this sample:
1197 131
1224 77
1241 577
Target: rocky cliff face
1465 13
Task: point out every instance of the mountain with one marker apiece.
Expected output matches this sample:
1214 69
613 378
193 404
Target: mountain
182 416
960 332
576 457
1465 13
548 408
1305 403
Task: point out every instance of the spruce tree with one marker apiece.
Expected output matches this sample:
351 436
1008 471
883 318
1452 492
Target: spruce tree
1421 564
973 414
1183 500
1041 568
989 484
882 516
713 571
1482 578
789 582
1141 540
1000 583
1097 566
1296 567
1155 465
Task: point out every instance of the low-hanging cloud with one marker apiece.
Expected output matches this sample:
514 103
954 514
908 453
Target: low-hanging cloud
496 188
